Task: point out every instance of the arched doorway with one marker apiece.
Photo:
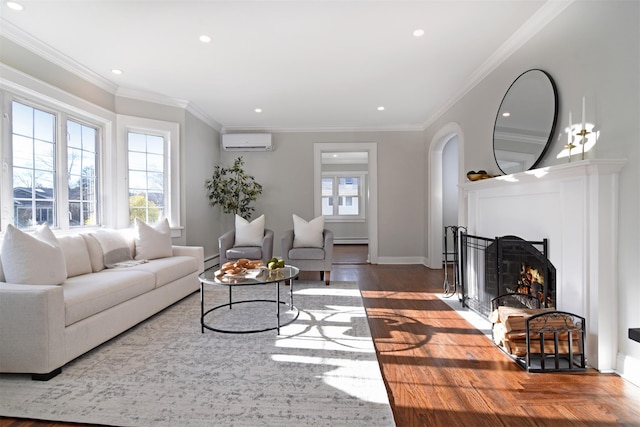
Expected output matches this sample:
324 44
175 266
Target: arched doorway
448 133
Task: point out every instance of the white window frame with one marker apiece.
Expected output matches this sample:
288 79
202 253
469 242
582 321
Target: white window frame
170 131
362 213
63 111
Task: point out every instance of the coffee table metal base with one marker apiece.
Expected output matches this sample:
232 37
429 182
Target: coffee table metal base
231 303
252 331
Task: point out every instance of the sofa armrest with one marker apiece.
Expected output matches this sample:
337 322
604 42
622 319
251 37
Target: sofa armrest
194 251
32 325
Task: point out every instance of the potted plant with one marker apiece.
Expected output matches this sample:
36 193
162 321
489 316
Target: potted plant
233 190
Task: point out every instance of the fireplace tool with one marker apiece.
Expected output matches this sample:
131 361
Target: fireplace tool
449 290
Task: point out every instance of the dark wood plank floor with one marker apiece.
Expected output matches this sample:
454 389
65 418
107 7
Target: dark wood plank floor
441 371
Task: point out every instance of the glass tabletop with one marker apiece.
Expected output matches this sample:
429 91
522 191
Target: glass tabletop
249 277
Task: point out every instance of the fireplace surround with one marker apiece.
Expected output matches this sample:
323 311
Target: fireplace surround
574 206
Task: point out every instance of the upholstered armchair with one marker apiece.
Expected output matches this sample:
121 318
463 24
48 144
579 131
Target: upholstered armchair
248 240
309 258
230 252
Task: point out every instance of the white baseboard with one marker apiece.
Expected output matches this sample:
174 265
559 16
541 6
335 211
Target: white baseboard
351 241
628 368
211 261
401 260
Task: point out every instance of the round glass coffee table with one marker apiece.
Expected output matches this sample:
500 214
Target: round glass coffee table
262 277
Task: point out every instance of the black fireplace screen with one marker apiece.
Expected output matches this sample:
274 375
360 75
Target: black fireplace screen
503 265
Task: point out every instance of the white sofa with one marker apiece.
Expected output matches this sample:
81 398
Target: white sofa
43 327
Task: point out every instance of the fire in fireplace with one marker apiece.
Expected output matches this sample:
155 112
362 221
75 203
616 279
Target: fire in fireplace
509 264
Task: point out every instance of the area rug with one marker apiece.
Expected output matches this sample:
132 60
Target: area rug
320 371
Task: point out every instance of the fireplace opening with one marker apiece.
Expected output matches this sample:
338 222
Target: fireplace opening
503 265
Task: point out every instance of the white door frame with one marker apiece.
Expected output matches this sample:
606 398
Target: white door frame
434 186
372 213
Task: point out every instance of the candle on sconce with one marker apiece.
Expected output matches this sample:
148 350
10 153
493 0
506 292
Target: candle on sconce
569 131
584 114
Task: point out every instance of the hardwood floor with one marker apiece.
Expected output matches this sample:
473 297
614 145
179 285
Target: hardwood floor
441 371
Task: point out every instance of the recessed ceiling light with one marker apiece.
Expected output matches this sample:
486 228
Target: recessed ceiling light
205 38
258 110
506 114
116 71
381 108
418 33
15 6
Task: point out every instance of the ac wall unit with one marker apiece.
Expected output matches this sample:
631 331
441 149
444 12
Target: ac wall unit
247 142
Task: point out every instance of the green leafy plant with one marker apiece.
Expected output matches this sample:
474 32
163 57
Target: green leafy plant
233 190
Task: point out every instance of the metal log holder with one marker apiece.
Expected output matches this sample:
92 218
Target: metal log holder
450 259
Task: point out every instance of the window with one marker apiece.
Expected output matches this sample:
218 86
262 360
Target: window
82 158
146 161
151 152
34 173
36 159
342 195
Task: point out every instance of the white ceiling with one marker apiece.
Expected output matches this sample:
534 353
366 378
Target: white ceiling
309 65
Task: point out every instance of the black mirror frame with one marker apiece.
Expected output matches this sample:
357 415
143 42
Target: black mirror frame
553 124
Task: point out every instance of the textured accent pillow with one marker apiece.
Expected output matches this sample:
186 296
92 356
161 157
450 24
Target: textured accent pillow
308 234
153 242
115 248
249 233
33 258
76 255
95 252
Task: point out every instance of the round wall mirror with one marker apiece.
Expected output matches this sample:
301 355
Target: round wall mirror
525 122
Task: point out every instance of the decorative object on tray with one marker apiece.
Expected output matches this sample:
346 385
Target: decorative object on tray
476 176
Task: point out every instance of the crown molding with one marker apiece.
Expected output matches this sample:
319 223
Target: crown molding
325 129
543 16
26 40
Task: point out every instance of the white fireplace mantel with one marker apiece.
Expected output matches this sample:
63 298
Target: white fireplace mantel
574 206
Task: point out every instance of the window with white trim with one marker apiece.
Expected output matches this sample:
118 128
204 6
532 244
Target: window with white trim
151 152
342 195
146 164
48 178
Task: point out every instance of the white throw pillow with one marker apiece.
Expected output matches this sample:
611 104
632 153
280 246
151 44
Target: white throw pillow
33 258
249 233
115 249
76 255
308 234
153 242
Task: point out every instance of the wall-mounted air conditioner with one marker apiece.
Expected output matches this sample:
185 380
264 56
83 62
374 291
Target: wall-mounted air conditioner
247 142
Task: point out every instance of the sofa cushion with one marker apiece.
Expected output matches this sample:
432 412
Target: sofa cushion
89 294
95 252
153 242
115 249
167 270
249 233
308 234
32 258
76 255
306 253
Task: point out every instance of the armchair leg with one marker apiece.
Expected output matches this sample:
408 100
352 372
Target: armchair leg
327 277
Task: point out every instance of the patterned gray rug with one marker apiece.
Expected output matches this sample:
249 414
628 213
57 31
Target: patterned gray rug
320 371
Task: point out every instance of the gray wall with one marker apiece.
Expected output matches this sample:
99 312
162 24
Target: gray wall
287 177
201 153
591 49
